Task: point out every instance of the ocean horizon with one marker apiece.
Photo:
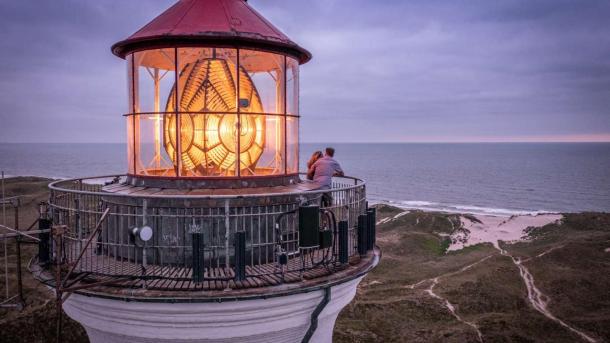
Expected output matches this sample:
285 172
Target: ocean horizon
482 178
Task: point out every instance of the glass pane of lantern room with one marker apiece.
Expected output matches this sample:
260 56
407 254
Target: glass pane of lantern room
265 71
130 84
129 118
292 144
207 88
130 144
262 145
155 76
154 73
292 86
153 159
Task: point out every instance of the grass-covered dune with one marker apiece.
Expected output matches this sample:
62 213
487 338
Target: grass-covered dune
569 262
406 298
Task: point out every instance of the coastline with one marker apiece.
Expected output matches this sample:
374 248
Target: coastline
478 225
428 206
420 205
441 276
477 178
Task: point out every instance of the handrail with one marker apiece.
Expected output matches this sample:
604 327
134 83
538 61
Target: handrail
78 204
15 233
56 186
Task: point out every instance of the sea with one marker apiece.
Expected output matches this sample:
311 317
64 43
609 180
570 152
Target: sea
482 178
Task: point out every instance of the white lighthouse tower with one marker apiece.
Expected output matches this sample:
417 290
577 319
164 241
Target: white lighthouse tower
212 235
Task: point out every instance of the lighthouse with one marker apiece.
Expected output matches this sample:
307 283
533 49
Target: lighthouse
212 235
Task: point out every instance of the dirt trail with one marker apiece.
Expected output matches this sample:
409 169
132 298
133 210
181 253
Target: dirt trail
451 309
391 218
548 251
538 299
447 303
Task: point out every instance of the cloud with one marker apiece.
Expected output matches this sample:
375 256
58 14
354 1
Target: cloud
382 70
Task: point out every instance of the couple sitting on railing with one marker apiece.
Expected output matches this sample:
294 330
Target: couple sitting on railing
321 169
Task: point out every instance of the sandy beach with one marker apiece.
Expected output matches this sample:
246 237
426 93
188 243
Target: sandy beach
478 229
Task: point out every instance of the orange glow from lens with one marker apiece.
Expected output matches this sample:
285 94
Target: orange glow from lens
209 142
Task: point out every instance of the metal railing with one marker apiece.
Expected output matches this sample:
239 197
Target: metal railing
194 241
12 239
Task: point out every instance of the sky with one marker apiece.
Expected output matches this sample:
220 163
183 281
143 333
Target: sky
383 71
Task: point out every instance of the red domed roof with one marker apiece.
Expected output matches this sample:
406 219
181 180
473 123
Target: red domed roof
211 22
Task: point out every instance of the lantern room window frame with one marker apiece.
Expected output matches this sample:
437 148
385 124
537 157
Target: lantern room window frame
288 116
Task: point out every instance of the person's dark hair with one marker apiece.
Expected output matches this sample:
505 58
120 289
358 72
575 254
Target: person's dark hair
330 151
314 157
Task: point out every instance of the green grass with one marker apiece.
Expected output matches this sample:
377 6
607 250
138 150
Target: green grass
491 294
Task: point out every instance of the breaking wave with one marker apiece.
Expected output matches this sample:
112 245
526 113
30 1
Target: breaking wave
455 208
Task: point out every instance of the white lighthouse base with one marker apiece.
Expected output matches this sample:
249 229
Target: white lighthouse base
277 319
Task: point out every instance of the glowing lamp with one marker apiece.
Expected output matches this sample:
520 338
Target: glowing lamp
209 128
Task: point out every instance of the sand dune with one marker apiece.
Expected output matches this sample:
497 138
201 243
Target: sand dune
492 229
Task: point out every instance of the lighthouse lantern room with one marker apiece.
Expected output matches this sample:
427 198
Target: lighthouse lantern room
213 94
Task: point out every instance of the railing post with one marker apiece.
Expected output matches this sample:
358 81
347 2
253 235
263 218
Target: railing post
240 255
371 216
144 222
44 249
79 228
16 210
58 233
227 232
309 226
198 255
343 242
19 279
362 234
